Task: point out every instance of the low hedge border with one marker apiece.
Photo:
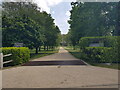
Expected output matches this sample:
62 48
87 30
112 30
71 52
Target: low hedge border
19 55
99 54
109 41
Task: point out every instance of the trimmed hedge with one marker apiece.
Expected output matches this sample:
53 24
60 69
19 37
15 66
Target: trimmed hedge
109 41
99 55
19 54
109 53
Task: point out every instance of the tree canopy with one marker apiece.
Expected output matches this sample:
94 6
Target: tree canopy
24 22
92 19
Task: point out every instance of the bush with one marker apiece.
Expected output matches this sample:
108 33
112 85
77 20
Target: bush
109 53
99 54
19 54
109 41
118 48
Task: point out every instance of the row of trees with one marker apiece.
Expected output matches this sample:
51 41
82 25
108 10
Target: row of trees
24 22
92 19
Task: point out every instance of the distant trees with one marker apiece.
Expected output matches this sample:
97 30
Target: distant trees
24 22
92 19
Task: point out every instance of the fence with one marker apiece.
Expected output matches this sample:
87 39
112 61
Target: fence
1 59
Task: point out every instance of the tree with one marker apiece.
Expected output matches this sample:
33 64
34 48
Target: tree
22 30
92 19
24 22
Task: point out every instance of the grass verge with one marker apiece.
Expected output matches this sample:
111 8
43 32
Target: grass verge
76 53
42 53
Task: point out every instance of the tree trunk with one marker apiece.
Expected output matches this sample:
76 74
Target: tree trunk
73 47
52 48
36 50
44 47
40 48
47 48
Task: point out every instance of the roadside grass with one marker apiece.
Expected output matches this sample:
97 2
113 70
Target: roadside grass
76 53
42 53
113 65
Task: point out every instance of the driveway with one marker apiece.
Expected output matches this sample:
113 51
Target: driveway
60 70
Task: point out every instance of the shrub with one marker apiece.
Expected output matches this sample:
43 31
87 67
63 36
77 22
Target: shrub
19 54
109 41
109 53
99 54
118 48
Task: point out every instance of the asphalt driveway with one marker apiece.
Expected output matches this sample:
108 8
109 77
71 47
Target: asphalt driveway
60 70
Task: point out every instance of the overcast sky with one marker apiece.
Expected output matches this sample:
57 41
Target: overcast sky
59 9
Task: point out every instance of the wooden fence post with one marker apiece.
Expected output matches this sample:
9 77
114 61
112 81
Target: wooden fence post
1 60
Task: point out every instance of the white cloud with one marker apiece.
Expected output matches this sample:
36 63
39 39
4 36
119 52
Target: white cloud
46 4
67 13
53 12
43 5
53 2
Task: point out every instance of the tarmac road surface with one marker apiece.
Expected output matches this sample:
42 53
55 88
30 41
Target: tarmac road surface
60 70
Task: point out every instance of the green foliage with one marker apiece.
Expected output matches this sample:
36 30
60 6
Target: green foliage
77 54
91 19
42 53
108 53
23 30
99 55
24 22
19 54
108 41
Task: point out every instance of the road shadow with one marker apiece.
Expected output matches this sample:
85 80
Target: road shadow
51 63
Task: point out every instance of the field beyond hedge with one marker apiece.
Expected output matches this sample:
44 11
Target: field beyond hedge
42 53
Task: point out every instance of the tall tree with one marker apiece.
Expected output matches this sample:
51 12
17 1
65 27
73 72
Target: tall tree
24 22
92 19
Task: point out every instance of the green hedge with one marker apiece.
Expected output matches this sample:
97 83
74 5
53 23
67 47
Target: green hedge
109 41
110 52
99 55
19 54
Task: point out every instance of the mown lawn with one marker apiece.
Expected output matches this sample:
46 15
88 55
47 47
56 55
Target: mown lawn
42 53
76 53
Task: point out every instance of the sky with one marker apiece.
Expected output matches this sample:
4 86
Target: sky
61 15
59 10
